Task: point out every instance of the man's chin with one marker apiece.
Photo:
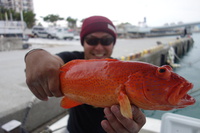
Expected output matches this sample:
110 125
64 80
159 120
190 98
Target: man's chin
98 57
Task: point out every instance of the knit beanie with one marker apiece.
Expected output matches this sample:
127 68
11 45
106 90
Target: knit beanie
96 24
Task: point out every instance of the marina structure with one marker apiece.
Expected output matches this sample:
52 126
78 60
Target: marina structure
17 5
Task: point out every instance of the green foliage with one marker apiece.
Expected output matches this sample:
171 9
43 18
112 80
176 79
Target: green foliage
52 18
29 16
3 12
71 22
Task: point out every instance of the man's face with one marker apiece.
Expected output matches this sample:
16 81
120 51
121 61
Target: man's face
93 48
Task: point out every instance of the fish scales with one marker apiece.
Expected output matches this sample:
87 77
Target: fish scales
105 82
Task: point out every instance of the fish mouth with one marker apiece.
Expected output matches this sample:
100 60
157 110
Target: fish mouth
179 96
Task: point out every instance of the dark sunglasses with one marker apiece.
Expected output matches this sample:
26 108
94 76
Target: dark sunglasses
105 41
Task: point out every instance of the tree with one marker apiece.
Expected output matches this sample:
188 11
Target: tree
71 22
3 11
52 18
29 18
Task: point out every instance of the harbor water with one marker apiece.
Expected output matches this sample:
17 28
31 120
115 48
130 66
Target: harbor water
190 70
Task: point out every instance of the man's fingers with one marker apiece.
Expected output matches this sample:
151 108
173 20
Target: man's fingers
105 124
138 116
54 86
39 94
45 87
131 125
107 127
128 123
114 124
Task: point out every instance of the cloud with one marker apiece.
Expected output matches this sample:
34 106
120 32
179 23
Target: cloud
157 12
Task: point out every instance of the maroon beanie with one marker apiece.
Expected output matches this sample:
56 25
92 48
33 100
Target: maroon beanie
96 24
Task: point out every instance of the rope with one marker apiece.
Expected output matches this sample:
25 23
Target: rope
27 110
186 63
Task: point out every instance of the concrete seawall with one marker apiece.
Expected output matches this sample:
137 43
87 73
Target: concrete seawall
10 43
38 115
158 55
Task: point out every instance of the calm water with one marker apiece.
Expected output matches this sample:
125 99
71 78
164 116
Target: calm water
190 70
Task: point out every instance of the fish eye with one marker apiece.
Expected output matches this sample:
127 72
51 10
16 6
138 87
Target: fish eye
163 72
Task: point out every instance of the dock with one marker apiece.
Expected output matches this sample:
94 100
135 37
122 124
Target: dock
18 103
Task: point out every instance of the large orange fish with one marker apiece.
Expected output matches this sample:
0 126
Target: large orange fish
106 82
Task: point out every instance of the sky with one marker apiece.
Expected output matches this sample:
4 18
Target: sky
157 12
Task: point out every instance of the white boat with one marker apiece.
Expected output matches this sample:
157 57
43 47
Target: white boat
170 123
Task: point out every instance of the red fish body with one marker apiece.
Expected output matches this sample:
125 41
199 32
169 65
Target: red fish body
105 82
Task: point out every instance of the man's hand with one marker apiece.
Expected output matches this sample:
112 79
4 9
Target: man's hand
116 123
42 74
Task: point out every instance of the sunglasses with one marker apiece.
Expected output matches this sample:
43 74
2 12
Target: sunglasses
105 41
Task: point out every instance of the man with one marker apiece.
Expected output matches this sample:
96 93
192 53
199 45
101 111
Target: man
98 37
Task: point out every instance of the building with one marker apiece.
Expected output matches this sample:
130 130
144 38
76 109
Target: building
17 5
8 27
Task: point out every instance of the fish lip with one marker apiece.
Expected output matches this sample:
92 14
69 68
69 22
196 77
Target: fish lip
185 87
182 88
178 95
185 98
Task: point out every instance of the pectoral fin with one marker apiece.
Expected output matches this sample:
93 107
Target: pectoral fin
68 103
125 106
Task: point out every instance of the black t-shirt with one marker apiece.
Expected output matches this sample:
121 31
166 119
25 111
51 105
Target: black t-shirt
83 118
